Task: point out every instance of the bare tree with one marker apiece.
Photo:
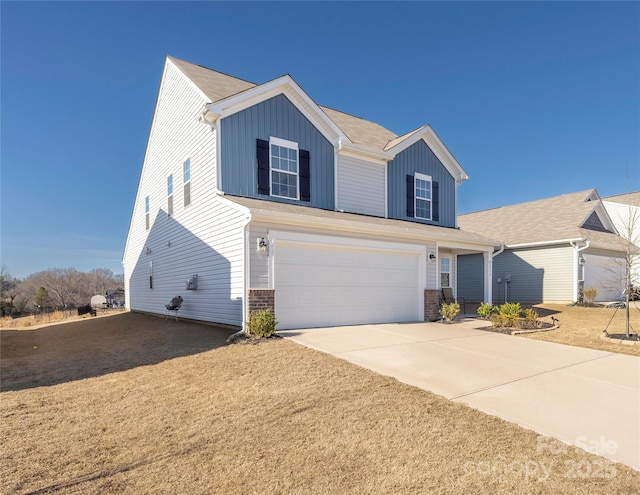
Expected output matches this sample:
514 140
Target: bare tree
8 291
628 226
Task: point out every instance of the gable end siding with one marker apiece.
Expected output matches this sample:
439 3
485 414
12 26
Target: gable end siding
419 158
276 117
594 223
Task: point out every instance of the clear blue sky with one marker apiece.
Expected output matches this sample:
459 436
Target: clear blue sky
533 99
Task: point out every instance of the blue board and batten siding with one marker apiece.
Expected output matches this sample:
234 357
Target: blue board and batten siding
419 158
275 117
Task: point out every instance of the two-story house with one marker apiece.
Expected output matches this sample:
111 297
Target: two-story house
254 196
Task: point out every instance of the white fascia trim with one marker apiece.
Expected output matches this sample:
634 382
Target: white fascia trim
363 152
439 149
242 209
545 243
245 99
184 76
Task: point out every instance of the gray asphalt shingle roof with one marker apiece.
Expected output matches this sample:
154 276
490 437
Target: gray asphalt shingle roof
218 86
542 221
317 215
631 198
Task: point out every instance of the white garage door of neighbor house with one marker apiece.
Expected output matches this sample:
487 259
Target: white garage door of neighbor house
324 285
605 275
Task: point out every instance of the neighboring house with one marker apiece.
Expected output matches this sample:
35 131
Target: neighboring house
624 211
253 196
553 248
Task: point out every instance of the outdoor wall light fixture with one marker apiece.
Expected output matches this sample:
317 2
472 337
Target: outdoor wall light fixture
432 256
148 251
581 260
262 244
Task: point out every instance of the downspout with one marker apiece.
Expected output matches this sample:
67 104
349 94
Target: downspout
245 277
488 280
576 257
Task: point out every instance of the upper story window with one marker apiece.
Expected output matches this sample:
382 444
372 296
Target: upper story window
146 212
423 196
170 195
284 168
186 179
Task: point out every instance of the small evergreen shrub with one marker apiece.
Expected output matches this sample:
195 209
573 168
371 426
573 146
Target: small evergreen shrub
530 314
262 323
450 311
509 313
485 310
590 294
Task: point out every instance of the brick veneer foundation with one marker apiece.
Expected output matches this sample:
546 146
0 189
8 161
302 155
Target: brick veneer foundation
258 299
431 305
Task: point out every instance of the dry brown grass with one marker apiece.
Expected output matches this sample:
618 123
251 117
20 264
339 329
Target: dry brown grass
582 326
136 404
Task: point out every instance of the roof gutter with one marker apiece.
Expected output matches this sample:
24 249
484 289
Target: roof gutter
543 243
493 255
575 246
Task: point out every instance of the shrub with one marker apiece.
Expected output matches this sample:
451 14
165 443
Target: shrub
530 314
510 312
485 310
262 323
450 311
590 294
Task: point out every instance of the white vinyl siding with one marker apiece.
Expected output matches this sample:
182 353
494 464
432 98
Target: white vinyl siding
259 267
206 239
361 186
543 274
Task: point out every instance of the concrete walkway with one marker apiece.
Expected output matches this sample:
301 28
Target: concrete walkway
580 396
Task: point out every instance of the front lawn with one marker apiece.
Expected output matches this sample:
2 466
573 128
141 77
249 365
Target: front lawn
136 404
582 326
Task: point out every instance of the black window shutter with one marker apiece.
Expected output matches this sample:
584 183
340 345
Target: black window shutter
410 196
262 155
435 205
305 175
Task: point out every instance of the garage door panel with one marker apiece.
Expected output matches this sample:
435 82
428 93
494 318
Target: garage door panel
320 285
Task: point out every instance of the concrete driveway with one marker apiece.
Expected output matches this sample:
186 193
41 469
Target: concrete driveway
580 396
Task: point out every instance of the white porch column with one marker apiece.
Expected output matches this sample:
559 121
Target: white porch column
488 276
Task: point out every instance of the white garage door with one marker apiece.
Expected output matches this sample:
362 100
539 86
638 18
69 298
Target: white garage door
606 275
323 285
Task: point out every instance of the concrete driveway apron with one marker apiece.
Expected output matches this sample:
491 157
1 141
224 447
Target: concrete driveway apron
580 396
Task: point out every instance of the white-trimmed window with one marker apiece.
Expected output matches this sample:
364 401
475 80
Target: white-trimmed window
186 179
283 164
423 196
445 271
170 195
146 212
